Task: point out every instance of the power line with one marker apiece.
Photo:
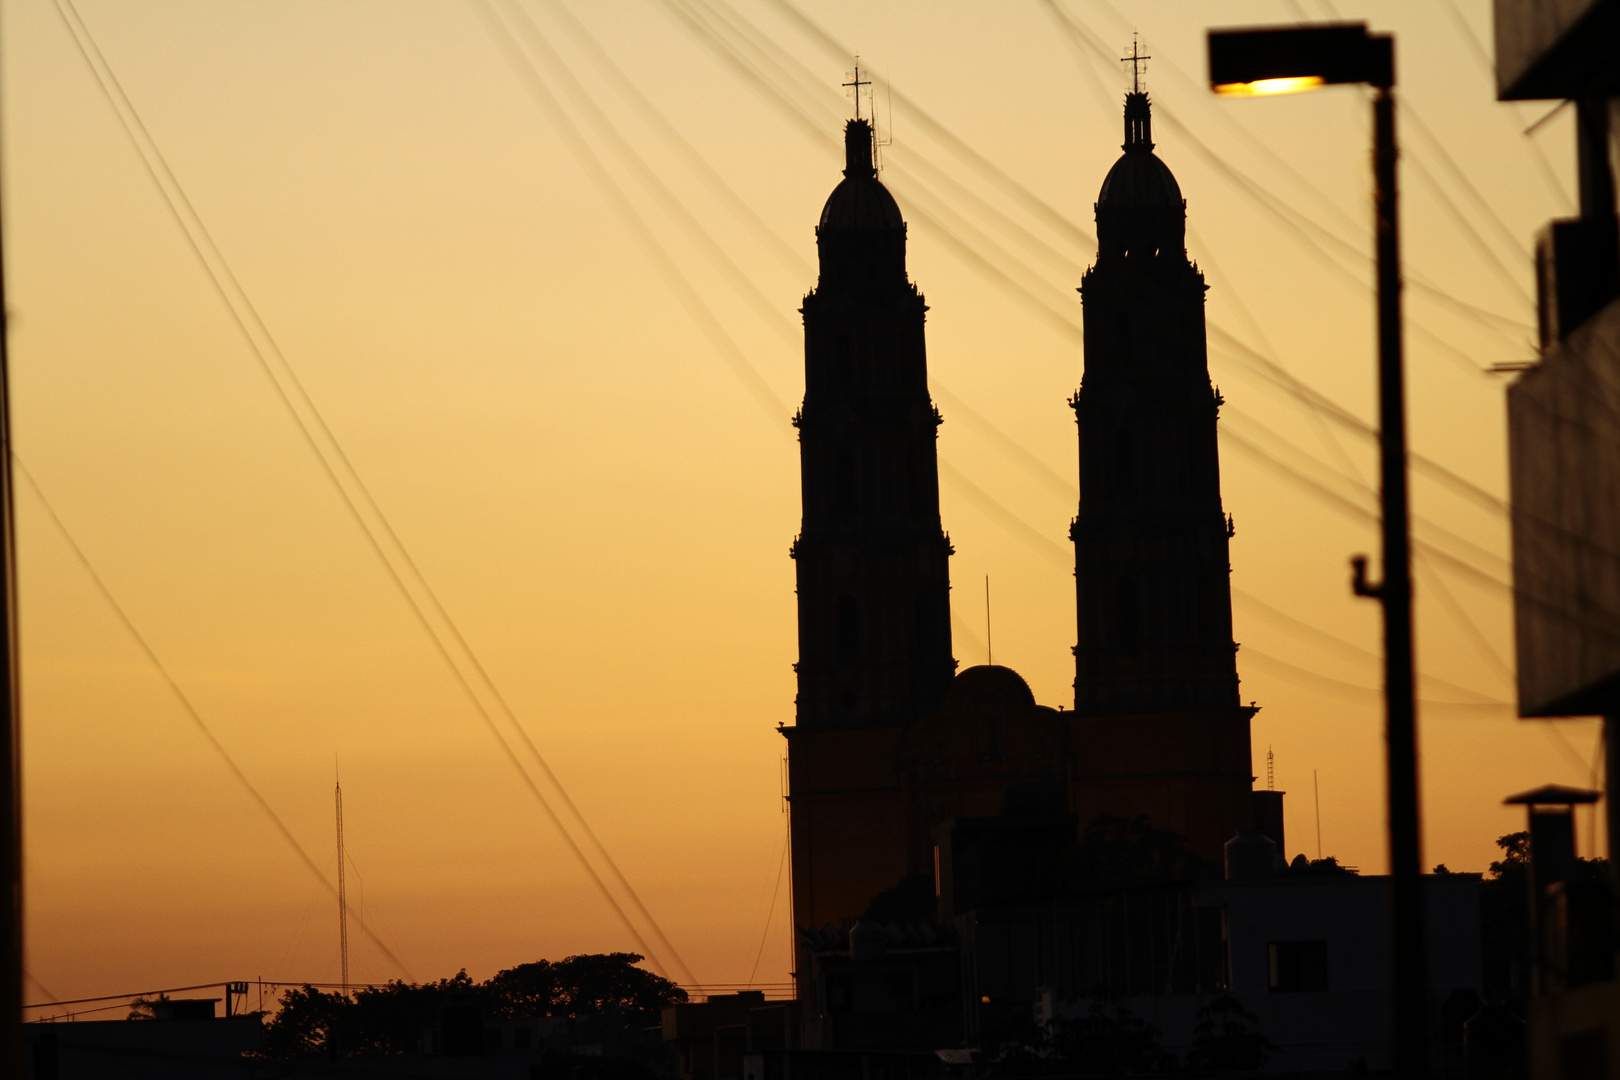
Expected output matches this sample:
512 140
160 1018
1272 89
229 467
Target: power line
191 710
158 169
776 890
1477 50
971 254
660 124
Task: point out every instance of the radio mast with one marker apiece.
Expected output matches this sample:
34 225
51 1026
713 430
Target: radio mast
343 895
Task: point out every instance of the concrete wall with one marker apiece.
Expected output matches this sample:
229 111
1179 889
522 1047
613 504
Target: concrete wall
1564 437
1550 48
1349 1021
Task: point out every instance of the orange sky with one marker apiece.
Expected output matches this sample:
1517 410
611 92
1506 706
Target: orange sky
597 497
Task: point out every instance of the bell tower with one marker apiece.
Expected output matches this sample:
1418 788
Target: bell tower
874 587
1156 688
871 557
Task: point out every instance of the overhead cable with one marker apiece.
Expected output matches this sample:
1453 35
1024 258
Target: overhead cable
190 710
227 286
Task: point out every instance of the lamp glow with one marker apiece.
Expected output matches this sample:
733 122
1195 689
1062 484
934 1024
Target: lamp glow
1265 87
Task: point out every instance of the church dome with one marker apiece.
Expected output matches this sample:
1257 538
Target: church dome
984 684
1139 180
860 203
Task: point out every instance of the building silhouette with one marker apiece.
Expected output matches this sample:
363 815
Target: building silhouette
871 558
894 755
1156 703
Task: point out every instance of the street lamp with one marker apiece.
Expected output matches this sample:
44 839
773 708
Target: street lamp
1271 60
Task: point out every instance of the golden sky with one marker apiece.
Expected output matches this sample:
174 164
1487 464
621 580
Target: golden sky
529 366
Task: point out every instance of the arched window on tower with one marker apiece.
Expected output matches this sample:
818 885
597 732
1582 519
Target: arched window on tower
849 628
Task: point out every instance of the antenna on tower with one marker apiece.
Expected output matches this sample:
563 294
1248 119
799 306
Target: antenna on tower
1316 790
343 893
857 83
887 138
1271 770
989 653
1137 61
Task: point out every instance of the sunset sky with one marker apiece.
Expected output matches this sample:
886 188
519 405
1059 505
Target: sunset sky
563 360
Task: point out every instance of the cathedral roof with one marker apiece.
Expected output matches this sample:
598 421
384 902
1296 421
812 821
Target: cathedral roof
1139 179
984 684
860 203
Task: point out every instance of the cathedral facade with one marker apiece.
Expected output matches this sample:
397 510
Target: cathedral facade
890 741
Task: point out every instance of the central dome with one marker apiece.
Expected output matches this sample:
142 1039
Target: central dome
1139 180
984 684
861 204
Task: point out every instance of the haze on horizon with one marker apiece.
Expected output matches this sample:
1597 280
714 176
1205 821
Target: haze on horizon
591 484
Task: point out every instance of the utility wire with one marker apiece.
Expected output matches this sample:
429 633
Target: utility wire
191 710
768 310
1341 688
977 496
655 119
677 282
1510 240
158 169
985 502
776 890
1471 234
1477 50
1337 644
1317 239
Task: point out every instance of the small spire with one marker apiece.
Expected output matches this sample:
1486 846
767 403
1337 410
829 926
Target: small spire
858 150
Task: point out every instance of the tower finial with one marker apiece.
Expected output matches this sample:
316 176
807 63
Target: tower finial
1136 60
857 83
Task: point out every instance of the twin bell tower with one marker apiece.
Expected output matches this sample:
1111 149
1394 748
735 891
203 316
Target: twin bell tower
891 741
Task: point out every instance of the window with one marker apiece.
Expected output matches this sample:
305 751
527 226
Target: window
1297 966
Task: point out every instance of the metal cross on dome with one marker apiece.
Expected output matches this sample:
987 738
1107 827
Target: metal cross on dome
1135 60
857 83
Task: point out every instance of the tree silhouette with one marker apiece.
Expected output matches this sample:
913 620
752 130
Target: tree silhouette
390 1019
1226 1039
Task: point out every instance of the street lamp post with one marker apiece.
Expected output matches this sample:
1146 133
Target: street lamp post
1288 59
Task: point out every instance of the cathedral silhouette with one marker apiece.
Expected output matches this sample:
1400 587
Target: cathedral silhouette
893 749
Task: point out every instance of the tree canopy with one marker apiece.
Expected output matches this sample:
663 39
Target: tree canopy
391 1018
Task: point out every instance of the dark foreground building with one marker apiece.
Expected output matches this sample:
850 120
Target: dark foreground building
1564 465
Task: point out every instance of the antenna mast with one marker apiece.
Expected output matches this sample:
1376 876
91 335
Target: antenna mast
857 82
1316 788
343 895
1136 61
1271 770
989 652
